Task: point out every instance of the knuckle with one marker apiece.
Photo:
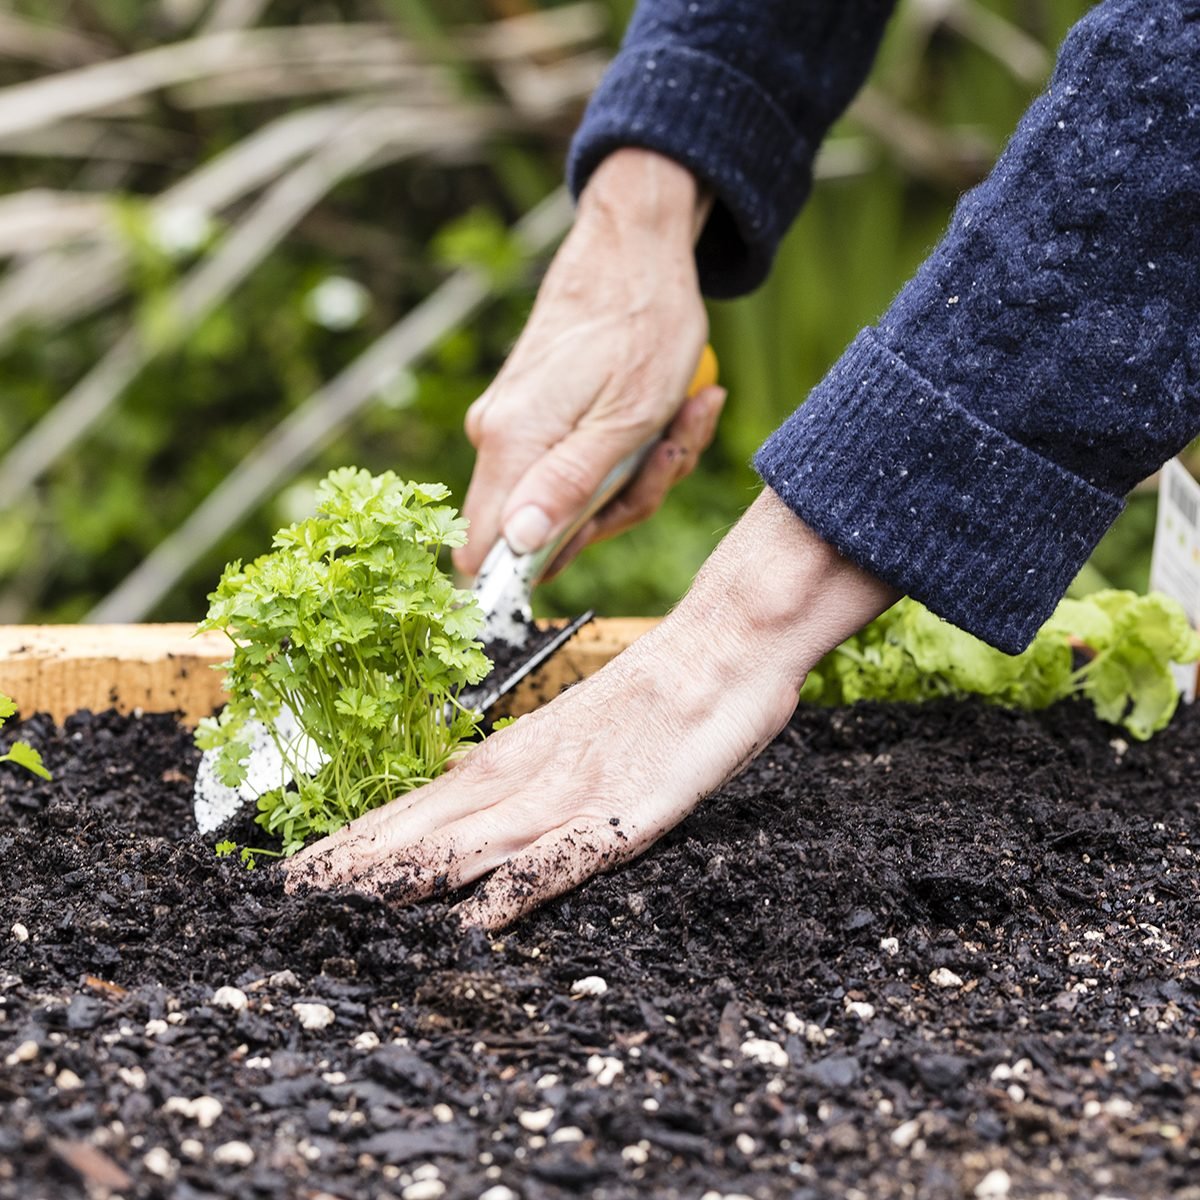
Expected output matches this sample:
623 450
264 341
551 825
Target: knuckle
473 422
494 757
490 425
640 409
484 764
471 426
570 476
491 422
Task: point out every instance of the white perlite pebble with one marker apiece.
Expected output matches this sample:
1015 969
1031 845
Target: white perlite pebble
860 1009
765 1051
943 977
193 1148
535 1120
19 932
904 1135
231 998
890 946
159 1162
1021 1069
499 1192
155 1026
746 1144
67 1081
994 1185
568 1133
443 1114
589 985
605 1069
133 1077
233 1153
204 1110
636 1156
367 1040
314 1016
26 1052
424 1189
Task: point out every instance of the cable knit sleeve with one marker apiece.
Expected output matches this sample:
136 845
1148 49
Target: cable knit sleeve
740 94
972 448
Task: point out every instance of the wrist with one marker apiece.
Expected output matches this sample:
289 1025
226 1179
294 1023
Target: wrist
783 596
640 192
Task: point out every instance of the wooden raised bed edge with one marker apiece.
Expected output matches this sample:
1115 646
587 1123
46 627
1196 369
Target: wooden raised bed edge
58 669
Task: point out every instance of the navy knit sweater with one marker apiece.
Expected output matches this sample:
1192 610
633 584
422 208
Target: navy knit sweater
972 447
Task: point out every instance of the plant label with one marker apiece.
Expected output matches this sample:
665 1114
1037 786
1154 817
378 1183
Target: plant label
1175 563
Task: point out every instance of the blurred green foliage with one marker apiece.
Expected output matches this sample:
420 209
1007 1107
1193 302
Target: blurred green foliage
396 232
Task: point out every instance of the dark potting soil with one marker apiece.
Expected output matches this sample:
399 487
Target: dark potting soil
933 952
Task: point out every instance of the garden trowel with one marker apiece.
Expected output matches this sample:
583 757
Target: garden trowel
515 644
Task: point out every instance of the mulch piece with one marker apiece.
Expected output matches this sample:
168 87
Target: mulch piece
937 951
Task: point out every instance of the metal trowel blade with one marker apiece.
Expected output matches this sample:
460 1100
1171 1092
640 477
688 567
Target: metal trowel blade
511 668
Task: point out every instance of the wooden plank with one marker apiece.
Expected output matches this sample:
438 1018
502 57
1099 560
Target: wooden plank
58 669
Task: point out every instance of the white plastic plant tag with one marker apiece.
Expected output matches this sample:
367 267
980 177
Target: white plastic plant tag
1175 562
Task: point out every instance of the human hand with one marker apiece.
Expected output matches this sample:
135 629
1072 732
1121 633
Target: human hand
596 776
601 368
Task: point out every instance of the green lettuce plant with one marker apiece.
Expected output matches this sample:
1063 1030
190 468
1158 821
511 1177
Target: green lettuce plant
352 625
21 753
1113 647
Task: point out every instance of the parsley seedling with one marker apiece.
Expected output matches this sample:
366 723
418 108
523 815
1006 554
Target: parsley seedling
350 623
21 753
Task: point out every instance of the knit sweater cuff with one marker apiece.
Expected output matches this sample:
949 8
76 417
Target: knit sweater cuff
723 128
922 494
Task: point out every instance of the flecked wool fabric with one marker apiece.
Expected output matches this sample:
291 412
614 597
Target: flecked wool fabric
741 94
971 448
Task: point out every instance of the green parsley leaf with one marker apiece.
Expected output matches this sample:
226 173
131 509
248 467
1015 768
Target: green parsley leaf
351 624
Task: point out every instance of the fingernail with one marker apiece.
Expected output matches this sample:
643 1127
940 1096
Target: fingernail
527 529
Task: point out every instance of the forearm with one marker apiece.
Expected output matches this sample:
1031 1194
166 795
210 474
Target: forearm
740 95
973 448
782 595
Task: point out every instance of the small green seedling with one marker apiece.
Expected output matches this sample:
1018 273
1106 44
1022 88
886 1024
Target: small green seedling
21 753
351 623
